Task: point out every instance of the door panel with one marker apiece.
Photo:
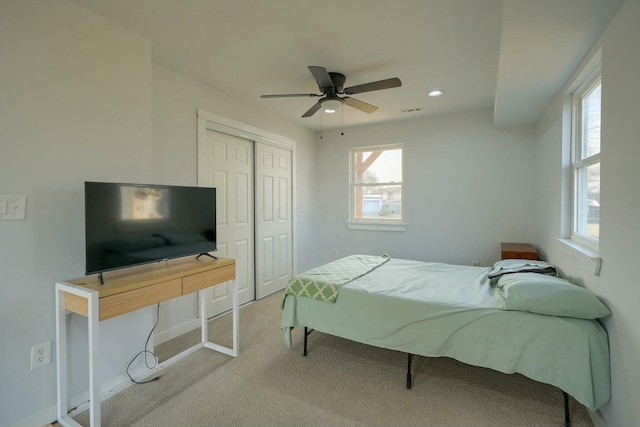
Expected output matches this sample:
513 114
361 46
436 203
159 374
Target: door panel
274 227
226 162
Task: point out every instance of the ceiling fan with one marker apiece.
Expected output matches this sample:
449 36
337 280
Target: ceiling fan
332 84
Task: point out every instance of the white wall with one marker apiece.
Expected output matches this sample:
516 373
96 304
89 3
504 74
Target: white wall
75 106
468 187
81 101
620 209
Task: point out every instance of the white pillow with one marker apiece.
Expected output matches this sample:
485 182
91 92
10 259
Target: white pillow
539 293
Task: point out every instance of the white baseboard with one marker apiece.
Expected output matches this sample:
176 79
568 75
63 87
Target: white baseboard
598 419
80 402
42 418
176 331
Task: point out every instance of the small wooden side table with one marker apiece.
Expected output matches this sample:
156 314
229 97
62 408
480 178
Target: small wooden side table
518 251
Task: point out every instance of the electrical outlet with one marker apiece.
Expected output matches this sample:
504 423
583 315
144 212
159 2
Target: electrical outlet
475 263
40 355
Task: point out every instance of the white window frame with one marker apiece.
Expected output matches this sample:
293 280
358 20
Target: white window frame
580 160
379 224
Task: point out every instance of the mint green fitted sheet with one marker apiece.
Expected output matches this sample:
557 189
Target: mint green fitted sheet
435 309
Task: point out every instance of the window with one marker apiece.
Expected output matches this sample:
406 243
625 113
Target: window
376 187
585 164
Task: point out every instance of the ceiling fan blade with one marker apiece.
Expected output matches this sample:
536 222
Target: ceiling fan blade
311 111
322 77
360 105
290 95
379 85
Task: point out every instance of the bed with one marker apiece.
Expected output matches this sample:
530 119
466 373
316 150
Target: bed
516 316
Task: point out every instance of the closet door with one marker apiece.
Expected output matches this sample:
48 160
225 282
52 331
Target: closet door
226 163
274 225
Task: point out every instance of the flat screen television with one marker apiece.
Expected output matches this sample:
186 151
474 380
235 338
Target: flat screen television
133 224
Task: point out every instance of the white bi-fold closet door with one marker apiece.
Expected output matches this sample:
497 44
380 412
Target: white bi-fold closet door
226 163
274 239
253 181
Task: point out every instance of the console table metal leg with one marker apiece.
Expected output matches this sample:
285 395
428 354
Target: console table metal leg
93 316
94 374
234 350
204 319
236 318
61 353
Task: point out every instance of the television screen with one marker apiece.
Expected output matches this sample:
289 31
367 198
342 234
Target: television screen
133 224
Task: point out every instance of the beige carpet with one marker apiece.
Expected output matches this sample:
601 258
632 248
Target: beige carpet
340 383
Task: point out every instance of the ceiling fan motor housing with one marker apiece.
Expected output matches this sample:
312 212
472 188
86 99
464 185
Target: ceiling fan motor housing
338 81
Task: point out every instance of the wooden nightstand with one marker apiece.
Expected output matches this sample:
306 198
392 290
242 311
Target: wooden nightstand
518 251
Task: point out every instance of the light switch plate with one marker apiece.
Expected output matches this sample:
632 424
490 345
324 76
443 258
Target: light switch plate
13 207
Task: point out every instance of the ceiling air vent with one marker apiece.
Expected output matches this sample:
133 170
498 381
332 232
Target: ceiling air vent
411 110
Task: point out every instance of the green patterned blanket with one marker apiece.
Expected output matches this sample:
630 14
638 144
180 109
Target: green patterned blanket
322 283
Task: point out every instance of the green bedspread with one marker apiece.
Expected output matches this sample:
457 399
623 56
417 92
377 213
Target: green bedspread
434 309
322 283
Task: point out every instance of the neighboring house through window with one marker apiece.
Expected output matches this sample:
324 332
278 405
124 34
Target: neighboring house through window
376 187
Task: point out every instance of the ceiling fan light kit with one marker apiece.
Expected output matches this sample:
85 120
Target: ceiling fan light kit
331 105
331 85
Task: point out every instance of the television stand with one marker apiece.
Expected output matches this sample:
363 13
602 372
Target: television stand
129 290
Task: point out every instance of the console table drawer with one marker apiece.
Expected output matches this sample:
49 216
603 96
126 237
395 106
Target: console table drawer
126 302
206 279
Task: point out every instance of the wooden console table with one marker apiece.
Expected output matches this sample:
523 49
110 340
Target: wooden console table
125 291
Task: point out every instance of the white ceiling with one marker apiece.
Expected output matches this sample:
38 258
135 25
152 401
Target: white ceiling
510 55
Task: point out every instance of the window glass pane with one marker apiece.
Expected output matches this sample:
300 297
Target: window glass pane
591 124
378 166
378 202
588 200
586 127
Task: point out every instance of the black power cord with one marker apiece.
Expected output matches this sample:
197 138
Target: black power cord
146 353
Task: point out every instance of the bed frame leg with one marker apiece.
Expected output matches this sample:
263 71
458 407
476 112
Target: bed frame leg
409 359
304 353
567 417
307 331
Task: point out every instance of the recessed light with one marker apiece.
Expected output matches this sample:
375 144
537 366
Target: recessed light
436 92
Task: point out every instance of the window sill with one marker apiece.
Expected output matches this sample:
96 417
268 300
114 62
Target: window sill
592 254
376 226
